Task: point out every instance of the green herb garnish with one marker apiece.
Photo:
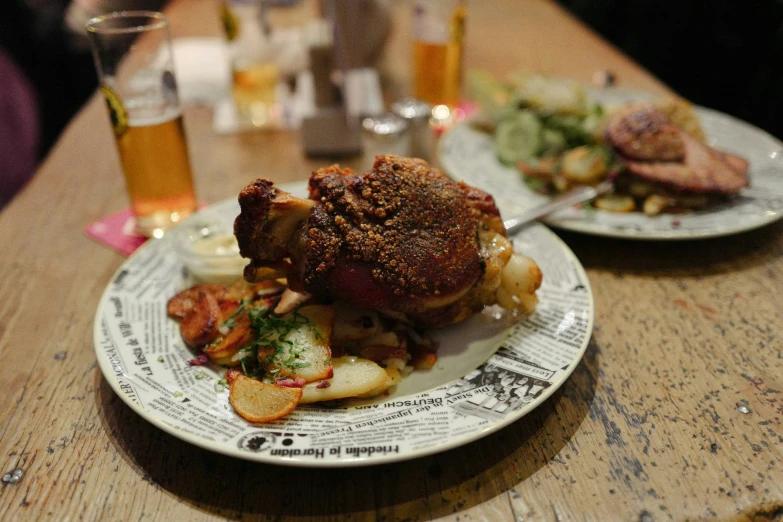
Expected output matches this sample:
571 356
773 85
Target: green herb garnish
231 322
277 350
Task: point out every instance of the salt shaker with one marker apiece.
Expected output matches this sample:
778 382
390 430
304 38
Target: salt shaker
385 134
417 113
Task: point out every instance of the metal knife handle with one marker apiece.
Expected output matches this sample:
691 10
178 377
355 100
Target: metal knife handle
564 200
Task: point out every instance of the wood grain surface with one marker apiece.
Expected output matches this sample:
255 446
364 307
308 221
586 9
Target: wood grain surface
674 413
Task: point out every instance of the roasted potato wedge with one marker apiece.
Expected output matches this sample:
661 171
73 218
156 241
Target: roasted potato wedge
182 304
224 348
200 325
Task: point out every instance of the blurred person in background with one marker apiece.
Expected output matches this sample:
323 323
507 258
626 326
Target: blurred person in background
19 127
46 75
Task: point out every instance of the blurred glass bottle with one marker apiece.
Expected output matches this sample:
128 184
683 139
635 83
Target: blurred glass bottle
438 33
254 68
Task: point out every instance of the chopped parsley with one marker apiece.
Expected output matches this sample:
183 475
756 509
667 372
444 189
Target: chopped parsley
278 353
231 322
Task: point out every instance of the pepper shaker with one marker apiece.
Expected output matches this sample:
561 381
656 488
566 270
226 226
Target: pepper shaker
417 113
385 134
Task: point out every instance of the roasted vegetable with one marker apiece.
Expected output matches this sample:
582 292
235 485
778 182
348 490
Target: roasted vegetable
257 401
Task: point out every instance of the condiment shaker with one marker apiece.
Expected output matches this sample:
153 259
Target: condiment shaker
385 134
417 113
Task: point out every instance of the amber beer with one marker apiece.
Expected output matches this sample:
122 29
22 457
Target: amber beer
439 27
154 156
254 86
133 56
254 52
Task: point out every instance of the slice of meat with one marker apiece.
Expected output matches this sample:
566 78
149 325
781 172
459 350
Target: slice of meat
704 170
736 163
642 132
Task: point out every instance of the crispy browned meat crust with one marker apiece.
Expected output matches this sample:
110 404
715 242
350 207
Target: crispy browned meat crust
407 224
256 200
400 238
642 132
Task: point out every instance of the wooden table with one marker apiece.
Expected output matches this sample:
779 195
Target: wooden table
674 413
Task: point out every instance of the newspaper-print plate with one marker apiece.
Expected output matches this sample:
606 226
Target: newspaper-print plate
468 155
490 371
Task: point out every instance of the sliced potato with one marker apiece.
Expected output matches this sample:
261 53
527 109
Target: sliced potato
221 351
655 204
584 165
182 304
353 376
615 203
379 390
306 353
395 377
353 323
257 401
394 374
200 325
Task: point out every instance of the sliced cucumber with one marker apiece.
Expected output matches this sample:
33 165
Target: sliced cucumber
518 137
552 142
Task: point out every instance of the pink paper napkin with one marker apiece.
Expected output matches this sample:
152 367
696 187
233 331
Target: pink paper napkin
117 231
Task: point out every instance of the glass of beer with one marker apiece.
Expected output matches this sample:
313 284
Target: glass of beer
133 55
438 32
254 54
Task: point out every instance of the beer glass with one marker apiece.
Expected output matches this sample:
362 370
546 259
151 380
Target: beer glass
255 54
438 32
133 55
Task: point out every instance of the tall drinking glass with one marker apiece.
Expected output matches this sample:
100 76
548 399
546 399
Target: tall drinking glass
133 55
255 55
438 33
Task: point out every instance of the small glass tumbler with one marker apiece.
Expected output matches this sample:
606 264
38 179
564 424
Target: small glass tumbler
438 34
133 55
258 51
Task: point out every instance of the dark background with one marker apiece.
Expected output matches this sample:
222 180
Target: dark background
723 54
